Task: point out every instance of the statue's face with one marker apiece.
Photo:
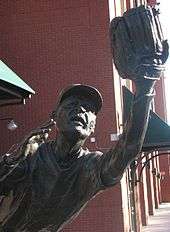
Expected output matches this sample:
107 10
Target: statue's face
76 115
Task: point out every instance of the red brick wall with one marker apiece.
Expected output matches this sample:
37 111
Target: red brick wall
165 171
143 199
150 190
160 101
160 108
51 44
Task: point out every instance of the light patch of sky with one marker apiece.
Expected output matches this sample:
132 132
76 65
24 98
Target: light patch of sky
164 17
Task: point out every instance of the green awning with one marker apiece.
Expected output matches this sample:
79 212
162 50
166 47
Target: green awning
158 132
12 87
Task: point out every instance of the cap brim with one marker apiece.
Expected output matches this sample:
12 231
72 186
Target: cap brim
87 91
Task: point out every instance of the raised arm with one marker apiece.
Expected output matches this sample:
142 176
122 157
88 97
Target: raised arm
139 53
116 160
11 174
15 167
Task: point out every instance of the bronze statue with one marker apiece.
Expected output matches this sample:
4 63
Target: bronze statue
52 181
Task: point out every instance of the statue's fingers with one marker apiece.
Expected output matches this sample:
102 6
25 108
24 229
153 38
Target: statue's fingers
49 124
158 35
126 55
119 53
135 28
113 30
39 132
158 25
44 137
124 37
149 29
156 31
34 138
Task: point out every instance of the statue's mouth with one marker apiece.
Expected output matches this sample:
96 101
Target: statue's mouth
79 120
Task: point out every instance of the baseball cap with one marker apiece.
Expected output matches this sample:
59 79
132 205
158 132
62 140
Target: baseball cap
87 91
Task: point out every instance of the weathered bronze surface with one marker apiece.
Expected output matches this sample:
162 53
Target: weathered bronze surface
52 180
51 185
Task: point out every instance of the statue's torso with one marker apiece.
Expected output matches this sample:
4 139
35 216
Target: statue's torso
54 192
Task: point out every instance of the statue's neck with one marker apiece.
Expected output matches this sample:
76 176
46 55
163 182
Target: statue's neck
64 148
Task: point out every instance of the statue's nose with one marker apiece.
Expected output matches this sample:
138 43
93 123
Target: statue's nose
80 109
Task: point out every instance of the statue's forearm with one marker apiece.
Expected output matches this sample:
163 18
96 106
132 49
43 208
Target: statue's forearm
136 125
131 141
10 174
140 60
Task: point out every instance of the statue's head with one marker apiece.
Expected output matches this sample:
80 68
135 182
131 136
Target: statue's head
76 111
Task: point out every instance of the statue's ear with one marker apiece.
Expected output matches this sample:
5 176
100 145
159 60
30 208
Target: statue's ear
92 126
92 130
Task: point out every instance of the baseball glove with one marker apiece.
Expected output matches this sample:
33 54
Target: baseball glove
138 46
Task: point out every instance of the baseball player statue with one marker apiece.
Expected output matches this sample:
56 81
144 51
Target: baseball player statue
51 181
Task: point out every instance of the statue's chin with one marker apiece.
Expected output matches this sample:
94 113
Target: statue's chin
75 133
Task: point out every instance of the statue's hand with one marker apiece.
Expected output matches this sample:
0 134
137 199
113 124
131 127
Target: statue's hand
138 47
36 137
35 141
30 144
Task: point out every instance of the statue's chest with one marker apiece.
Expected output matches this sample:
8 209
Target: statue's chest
59 193
56 183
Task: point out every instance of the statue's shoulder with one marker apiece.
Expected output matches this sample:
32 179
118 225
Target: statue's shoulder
93 154
45 148
91 161
43 154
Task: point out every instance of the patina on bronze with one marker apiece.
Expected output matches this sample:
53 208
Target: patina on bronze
53 184
52 181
